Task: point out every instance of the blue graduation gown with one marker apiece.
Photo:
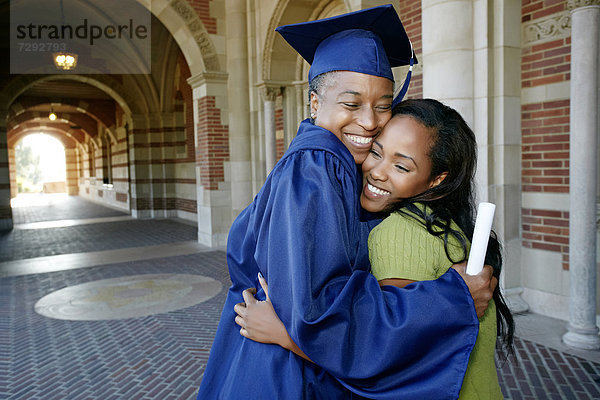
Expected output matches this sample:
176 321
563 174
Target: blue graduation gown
304 232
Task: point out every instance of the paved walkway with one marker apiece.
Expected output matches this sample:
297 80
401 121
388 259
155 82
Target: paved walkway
161 355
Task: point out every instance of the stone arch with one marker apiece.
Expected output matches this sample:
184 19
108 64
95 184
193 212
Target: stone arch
67 140
106 83
276 46
183 22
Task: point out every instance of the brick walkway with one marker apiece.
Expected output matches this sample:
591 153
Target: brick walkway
163 356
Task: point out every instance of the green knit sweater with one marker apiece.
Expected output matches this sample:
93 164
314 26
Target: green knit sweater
400 247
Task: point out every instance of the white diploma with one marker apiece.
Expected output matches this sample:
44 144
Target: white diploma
481 236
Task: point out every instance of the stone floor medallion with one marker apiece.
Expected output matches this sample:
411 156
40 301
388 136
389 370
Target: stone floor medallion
127 297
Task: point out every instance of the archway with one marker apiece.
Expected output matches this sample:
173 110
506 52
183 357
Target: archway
40 164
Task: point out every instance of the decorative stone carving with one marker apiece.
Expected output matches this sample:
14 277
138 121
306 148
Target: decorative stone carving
269 93
201 37
573 4
554 27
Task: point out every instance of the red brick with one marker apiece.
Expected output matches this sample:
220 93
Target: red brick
532 236
547 45
546 246
556 239
556 155
548 180
546 213
555 189
548 11
532 107
547 80
556 104
556 138
556 172
546 164
532 188
531 8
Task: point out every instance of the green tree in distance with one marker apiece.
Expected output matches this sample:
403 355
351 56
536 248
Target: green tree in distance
29 174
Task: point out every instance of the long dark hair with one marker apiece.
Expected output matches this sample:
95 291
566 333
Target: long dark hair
453 150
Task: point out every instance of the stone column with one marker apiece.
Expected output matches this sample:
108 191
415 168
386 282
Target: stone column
238 94
585 20
12 163
139 167
213 186
72 171
6 221
269 95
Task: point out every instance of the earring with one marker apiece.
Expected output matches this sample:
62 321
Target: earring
312 115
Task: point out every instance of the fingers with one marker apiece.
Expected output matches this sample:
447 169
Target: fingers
493 283
240 309
248 296
487 272
263 284
240 321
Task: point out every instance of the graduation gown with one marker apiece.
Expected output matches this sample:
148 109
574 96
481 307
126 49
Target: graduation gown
304 233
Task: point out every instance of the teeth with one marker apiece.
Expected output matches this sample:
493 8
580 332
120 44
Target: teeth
360 139
377 190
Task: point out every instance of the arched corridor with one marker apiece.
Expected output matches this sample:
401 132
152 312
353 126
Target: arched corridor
159 164
97 259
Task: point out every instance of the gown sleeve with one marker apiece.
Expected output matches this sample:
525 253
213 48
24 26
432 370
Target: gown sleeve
384 343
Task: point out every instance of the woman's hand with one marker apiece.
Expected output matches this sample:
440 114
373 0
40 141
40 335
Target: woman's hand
259 321
481 286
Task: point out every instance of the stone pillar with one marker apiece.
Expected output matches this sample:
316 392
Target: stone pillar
471 60
214 186
585 20
139 168
238 94
72 171
497 116
269 95
6 220
448 70
12 164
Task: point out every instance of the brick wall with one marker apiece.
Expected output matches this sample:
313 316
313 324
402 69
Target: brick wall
545 147
279 143
213 144
410 15
545 132
546 230
202 8
547 62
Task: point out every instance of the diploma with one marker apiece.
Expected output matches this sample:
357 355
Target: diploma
481 236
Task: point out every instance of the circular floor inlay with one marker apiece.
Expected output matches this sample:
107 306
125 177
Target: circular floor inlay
128 297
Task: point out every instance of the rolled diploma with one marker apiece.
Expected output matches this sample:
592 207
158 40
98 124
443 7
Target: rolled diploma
481 236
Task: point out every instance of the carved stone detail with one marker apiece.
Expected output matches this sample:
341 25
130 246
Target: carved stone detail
199 33
573 4
269 93
551 28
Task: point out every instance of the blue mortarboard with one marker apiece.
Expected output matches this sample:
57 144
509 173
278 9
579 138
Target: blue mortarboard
370 41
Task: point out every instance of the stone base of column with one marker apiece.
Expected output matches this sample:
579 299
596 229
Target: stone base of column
582 338
514 301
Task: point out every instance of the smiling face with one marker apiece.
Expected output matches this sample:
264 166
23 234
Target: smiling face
398 166
354 107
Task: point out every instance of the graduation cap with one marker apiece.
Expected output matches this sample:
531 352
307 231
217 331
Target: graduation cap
369 41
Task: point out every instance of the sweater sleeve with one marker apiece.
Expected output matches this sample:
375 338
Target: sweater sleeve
401 248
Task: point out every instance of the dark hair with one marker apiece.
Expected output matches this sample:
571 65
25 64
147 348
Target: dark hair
319 83
453 150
